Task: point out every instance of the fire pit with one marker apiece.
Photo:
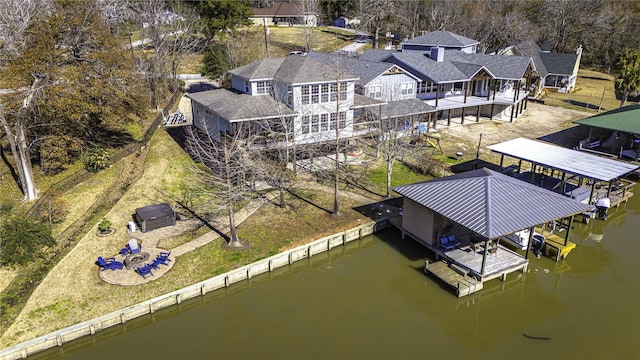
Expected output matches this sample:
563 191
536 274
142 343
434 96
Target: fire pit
136 260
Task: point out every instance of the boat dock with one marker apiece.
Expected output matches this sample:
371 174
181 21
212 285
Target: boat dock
556 243
454 277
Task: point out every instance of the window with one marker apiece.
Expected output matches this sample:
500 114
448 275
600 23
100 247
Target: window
324 122
343 91
315 94
264 87
342 120
426 87
375 91
332 121
247 87
407 88
289 95
315 123
324 93
305 95
305 124
334 92
457 86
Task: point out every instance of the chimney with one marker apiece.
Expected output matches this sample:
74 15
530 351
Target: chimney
437 54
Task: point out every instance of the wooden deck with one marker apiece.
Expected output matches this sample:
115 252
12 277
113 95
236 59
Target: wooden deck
498 264
454 277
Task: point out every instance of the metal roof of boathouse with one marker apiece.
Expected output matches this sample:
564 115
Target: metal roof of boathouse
563 159
489 203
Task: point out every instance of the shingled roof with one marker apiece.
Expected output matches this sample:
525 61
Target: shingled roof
443 39
292 69
366 70
489 203
240 107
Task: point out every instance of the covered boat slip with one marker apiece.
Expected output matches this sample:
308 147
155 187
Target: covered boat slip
462 218
582 176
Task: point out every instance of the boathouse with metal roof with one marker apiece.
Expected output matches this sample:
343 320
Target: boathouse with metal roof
475 209
583 176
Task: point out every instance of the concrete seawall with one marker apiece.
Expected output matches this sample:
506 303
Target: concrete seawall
90 327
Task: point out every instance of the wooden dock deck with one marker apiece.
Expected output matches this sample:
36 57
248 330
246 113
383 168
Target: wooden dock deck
453 276
498 264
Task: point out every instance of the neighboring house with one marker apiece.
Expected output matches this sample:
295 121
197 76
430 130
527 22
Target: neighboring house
458 79
283 14
440 39
554 71
316 97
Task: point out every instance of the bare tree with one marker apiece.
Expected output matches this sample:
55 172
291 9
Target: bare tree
171 29
15 17
376 14
308 29
230 166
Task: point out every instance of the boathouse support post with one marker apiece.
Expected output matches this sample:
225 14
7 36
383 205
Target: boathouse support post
531 230
449 118
501 160
562 182
609 188
566 236
520 166
593 189
484 256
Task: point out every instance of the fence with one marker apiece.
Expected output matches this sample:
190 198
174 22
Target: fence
90 327
40 206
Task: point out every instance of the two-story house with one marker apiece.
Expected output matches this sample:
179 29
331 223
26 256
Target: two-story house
312 101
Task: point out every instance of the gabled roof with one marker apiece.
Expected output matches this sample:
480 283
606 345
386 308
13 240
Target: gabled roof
303 70
559 64
456 66
426 69
263 69
489 203
292 69
625 119
442 39
240 107
377 54
502 67
366 70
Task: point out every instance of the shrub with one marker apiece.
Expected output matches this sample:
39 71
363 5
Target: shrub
104 225
97 158
22 239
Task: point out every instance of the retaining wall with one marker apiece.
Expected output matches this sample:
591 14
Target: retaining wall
90 327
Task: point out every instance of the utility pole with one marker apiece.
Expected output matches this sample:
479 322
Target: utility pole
266 36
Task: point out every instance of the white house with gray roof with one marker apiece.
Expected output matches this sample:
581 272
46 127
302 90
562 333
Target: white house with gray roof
313 97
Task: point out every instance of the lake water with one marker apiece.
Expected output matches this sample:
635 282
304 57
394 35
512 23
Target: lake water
370 299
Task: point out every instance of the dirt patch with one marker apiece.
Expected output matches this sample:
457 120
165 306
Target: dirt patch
538 121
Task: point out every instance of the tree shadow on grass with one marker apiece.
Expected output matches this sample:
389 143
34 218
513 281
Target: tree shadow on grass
299 197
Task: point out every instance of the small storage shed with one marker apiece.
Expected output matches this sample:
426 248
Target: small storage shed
155 216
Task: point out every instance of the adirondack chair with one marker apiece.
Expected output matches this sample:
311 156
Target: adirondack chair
164 255
109 264
453 241
144 271
124 251
444 242
161 261
133 246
